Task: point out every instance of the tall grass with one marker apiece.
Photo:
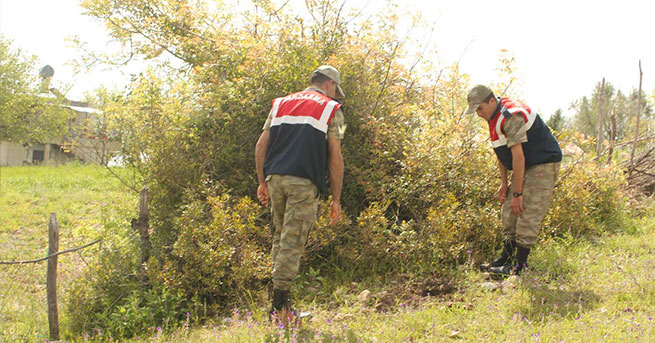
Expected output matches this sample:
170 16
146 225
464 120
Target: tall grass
85 200
584 290
577 290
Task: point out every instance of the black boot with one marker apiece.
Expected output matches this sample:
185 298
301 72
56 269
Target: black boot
282 311
513 269
521 258
505 257
280 301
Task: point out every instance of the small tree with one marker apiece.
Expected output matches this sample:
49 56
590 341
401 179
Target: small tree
556 121
586 118
25 114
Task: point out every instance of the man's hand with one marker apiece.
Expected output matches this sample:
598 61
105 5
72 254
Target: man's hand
260 158
502 193
335 170
262 194
335 212
517 205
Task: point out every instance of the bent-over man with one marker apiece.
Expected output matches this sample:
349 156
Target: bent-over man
523 144
301 140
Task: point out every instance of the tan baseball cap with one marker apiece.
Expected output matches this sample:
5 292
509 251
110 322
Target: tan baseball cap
333 74
476 95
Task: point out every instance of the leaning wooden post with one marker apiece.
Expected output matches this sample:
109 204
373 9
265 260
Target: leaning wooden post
53 248
612 136
634 146
141 225
599 140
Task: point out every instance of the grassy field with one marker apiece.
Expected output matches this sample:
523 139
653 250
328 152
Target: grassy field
584 291
596 290
86 201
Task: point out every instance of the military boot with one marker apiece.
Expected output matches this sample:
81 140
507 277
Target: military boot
505 257
280 302
513 269
281 310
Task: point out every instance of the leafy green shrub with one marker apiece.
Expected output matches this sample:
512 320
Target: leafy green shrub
587 199
221 252
110 301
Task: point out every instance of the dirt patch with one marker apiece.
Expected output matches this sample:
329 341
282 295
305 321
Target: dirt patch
407 292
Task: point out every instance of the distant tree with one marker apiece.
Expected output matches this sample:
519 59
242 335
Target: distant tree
556 121
99 127
26 115
623 107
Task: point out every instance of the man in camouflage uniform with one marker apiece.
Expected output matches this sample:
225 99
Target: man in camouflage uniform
524 144
301 139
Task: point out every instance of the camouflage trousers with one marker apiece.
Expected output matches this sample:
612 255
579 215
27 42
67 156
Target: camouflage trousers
538 185
294 206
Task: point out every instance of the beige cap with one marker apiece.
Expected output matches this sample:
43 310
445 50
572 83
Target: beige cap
333 74
476 95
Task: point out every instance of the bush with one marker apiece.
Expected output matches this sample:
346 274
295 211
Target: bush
221 252
109 300
419 183
587 201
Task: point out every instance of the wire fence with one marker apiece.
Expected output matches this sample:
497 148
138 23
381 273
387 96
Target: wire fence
16 282
32 287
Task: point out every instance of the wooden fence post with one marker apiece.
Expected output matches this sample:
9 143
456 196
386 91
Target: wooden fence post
141 225
612 136
634 146
599 140
53 248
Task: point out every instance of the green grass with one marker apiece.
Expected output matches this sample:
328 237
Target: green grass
593 290
85 199
597 290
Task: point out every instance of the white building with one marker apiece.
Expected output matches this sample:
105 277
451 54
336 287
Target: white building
82 144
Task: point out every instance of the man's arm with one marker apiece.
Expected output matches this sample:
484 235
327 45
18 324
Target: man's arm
260 158
516 134
502 190
335 169
518 173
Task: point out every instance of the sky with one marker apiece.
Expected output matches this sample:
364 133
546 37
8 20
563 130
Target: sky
562 48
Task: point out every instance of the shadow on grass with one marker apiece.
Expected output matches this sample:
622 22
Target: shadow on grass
307 335
550 291
548 301
549 284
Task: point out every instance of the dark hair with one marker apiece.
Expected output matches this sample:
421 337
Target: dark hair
318 78
491 96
